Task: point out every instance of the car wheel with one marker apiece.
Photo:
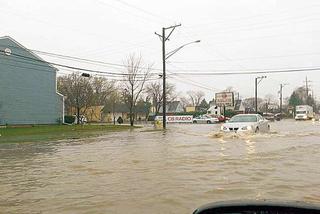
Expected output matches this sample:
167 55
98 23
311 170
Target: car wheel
208 122
194 121
257 130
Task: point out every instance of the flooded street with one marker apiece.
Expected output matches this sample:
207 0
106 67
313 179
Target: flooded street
149 171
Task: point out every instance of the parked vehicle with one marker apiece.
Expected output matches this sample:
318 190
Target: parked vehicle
278 116
221 118
246 123
205 119
304 112
269 116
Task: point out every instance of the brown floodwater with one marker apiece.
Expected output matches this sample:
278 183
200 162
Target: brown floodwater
150 171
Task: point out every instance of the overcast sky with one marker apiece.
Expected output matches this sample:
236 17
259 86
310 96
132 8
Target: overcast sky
236 35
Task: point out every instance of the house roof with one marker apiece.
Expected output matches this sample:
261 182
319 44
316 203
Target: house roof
171 106
212 108
122 108
28 50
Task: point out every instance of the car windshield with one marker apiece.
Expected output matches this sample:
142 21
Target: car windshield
301 112
157 106
243 119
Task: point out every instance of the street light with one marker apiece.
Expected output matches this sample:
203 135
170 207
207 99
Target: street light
256 90
164 58
179 48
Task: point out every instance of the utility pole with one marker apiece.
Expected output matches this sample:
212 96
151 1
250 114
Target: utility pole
256 94
267 106
164 94
280 92
164 38
307 88
256 91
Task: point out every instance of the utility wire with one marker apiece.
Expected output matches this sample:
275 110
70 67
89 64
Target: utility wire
243 59
189 72
247 73
50 71
67 66
75 58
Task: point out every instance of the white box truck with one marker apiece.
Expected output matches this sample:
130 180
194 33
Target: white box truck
304 112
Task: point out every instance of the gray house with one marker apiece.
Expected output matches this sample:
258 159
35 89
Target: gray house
173 107
28 90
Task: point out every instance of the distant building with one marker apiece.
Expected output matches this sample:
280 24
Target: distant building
109 114
195 109
216 110
94 113
173 107
239 107
28 90
190 108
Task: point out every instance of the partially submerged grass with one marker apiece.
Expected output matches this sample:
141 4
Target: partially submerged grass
45 133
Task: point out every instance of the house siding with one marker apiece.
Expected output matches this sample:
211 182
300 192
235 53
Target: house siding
27 89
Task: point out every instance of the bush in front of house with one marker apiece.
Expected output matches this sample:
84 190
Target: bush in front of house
69 119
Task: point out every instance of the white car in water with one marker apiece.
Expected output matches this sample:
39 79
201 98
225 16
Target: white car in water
246 123
205 119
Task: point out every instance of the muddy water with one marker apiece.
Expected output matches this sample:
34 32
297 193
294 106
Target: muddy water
149 171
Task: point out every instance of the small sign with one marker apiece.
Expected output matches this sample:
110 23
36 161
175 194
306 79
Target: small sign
177 118
225 99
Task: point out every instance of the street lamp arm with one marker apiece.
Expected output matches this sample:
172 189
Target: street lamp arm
168 55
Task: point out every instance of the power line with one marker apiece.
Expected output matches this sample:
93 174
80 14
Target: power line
192 82
240 19
141 10
247 58
247 72
72 58
67 66
50 71
192 72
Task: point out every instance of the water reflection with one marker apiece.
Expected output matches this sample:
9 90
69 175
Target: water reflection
222 147
250 146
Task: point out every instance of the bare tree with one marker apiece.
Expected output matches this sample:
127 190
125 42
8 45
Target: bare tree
102 89
135 77
229 89
196 97
78 93
114 100
184 101
155 92
270 98
250 102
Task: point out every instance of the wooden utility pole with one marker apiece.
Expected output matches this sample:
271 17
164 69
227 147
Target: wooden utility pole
164 94
164 38
256 91
256 94
307 88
